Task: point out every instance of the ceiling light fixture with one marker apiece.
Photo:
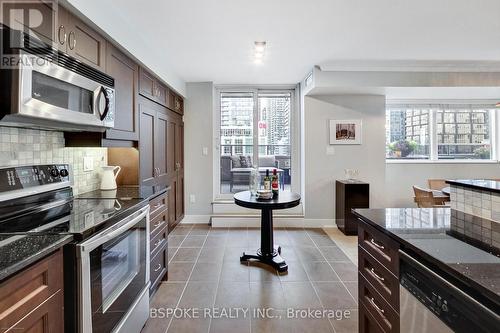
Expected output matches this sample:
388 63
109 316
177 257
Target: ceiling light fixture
260 46
259 51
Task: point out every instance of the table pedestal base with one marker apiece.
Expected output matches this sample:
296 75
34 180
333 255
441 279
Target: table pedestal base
272 259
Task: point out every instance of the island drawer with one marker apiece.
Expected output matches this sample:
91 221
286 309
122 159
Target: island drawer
158 268
386 283
367 323
158 241
157 223
380 246
158 205
380 310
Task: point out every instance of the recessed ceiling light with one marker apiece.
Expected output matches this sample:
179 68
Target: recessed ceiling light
259 55
260 46
258 60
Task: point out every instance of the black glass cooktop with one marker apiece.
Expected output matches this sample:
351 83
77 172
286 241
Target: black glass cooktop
57 212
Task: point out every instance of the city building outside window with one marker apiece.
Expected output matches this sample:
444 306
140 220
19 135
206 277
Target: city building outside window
264 115
439 132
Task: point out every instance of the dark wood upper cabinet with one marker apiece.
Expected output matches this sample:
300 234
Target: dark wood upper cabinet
125 72
79 40
147 139
44 32
152 88
153 147
161 147
176 103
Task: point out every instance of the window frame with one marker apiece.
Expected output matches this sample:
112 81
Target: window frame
294 132
434 107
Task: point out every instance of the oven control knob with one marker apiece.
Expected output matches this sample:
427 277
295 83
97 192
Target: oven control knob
63 173
54 172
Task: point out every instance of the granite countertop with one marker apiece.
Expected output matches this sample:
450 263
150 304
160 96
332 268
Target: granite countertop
126 192
456 243
20 251
477 184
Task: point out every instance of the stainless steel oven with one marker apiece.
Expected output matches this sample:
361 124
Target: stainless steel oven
49 89
113 277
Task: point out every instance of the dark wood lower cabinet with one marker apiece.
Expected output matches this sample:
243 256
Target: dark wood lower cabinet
32 300
378 281
159 228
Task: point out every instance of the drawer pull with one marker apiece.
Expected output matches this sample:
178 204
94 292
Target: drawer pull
157 224
376 306
159 267
157 205
158 242
377 244
376 275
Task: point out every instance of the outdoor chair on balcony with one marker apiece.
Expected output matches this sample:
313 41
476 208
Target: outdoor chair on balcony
241 167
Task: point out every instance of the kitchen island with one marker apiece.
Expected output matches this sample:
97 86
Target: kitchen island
441 242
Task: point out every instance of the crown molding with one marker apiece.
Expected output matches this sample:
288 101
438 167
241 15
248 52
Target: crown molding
410 66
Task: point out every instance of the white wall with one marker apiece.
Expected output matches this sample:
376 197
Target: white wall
401 177
390 184
198 133
322 169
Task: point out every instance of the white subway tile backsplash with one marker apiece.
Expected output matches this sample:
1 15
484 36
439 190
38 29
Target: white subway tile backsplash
19 146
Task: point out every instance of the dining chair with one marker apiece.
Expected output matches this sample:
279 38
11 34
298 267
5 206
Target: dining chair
437 184
425 198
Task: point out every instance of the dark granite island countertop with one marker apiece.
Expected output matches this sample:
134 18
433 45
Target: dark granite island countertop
20 251
477 184
440 237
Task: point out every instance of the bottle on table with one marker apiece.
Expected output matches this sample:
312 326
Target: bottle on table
274 183
267 181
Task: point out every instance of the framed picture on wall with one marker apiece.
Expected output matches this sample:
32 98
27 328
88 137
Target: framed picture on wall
345 132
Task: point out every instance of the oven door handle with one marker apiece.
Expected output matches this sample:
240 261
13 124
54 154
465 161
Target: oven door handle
109 234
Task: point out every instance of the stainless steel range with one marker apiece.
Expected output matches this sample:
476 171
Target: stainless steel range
106 268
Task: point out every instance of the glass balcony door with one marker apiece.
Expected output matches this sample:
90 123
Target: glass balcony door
254 132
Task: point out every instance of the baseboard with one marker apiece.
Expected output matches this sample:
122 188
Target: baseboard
196 219
294 222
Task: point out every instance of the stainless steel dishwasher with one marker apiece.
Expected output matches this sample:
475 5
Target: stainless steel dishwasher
430 303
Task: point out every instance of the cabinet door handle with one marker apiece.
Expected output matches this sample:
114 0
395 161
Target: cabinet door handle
62 31
376 306
376 275
157 268
71 44
377 244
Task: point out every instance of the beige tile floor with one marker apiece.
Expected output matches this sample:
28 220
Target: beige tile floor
207 278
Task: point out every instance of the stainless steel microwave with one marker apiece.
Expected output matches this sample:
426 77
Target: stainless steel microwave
46 88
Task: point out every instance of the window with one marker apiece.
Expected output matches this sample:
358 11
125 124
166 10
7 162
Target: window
407 133
265 116
460 132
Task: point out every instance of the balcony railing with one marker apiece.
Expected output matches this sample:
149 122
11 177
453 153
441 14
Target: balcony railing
283 150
